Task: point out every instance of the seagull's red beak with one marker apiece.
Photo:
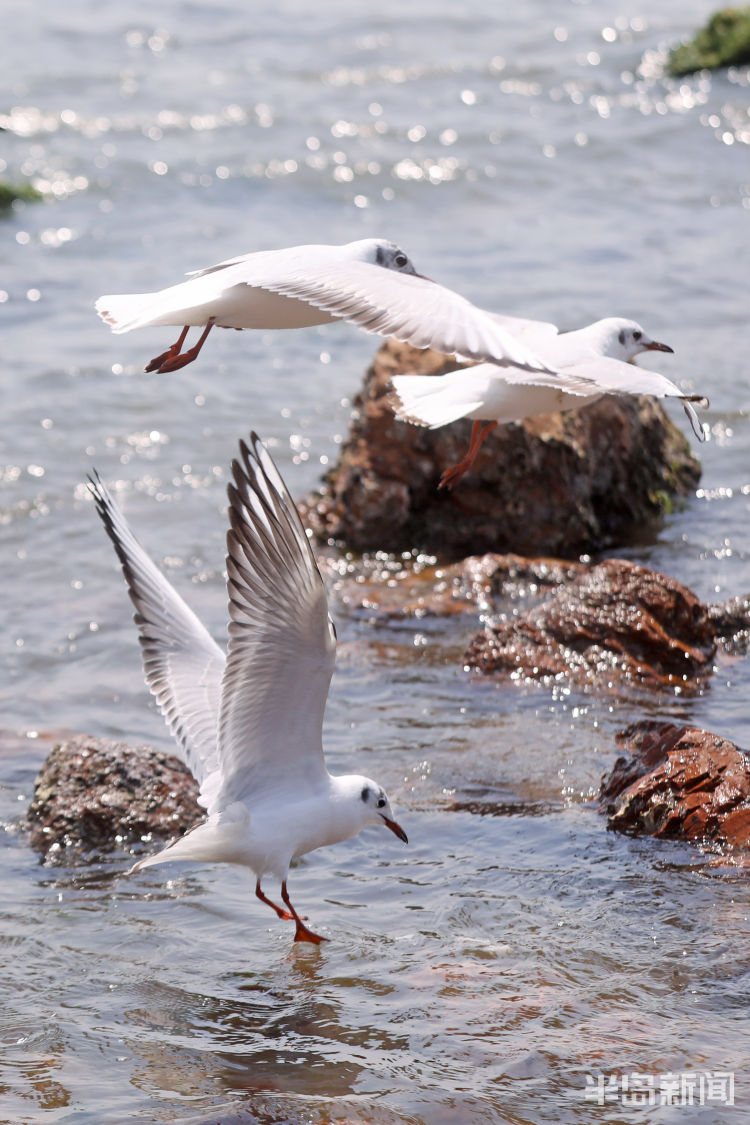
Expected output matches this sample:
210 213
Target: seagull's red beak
655 346
396 829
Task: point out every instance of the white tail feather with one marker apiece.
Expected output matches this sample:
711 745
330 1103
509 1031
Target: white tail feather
220 839
125 311
434 400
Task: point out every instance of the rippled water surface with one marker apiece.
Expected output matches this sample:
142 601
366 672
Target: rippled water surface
533 157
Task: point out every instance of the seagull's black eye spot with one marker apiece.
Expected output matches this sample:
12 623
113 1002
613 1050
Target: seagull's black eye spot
637 335
401 260
621 336
381 802
366 793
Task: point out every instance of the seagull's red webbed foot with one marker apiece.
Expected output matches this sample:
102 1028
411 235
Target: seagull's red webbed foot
301 933
452 475
170 353
173 359
269 902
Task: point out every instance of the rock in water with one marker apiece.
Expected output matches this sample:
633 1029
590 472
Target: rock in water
679 783
724 41
96 794
615 622
558 484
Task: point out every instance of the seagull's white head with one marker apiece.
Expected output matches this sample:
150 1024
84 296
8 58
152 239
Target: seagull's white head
624 339
362 802
379 252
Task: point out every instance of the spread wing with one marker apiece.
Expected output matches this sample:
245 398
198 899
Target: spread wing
408 306
615 377
281 643
183 665
380 300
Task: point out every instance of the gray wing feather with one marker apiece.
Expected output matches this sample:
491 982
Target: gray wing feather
183 665
408 306
281 642
616 377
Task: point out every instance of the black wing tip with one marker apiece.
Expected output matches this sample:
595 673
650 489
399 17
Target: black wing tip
109 513
102 499
95 484
256 474
248 469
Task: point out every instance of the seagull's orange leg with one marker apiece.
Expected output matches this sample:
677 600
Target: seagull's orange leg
302 933
279 909
176 361
170 353
479 431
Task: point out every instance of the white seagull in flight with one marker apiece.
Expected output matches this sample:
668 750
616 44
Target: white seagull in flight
249 725
589 363
370 283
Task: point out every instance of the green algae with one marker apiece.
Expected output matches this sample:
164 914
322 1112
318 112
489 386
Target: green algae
9 193
724 41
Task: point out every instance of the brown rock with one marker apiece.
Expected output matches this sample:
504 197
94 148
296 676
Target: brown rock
95 794
557 484
680 783
492 577
647 742
731 622
615 622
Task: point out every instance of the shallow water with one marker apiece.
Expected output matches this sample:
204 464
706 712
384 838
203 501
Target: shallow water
536 161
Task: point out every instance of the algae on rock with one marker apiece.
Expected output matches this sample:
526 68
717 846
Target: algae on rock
724 41
9 193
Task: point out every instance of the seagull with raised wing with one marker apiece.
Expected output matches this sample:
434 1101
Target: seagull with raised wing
249 724
371 283
589 363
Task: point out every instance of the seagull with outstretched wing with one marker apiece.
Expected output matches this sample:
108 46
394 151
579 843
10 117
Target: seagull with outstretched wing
249 723
370 283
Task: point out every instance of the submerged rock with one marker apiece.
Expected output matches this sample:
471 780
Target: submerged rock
557 484
724 41
416 587
679 783
615 622
96 794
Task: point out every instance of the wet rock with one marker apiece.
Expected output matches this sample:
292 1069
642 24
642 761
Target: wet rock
724 41
679 783
616 622
96 794
558 484
493 578
731 622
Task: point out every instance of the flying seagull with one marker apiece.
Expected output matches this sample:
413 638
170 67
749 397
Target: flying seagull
589 362
249 724
370 283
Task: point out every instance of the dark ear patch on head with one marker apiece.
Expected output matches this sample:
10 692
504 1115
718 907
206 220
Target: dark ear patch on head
379 256
365 793
621 336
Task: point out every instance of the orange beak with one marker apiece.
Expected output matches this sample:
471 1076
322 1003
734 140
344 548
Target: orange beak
396 829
